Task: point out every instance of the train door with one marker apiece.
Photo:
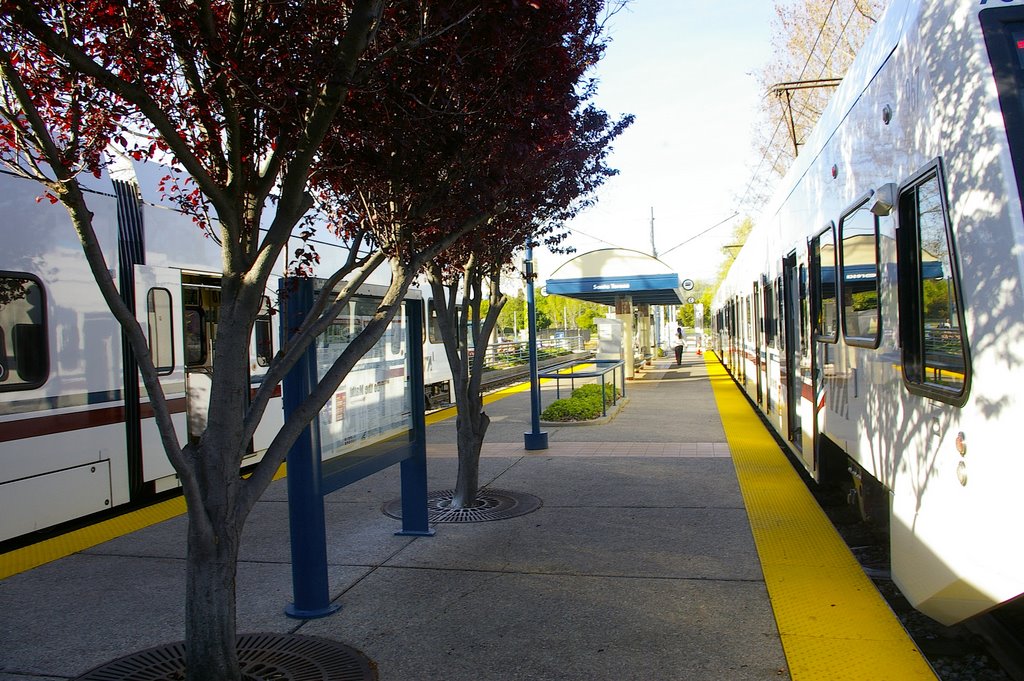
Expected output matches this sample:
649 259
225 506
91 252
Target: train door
200 316
824 330
730 334
157 307
261 353
770 360
733 330
779 332
747 340
200 311
757 338
794 292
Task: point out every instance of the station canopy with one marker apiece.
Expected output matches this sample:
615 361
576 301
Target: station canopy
602 276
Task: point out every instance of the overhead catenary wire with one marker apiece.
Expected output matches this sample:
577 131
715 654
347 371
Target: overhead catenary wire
700 234
591 236
775 132
768 148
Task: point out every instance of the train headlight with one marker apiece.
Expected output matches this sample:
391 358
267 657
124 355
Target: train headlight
961 443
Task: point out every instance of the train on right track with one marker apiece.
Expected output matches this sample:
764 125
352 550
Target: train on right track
875 314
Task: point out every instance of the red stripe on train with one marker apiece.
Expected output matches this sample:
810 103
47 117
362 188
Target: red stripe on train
49 424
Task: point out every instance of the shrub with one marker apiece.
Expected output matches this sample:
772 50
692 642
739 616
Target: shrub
571 409
593 390
584 405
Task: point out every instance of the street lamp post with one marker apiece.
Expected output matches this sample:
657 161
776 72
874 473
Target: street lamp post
535 439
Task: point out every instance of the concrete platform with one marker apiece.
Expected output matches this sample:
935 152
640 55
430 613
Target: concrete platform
639 565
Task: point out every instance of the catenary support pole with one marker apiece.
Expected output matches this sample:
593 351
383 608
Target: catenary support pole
535 439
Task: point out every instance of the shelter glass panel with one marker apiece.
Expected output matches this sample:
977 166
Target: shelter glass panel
374 401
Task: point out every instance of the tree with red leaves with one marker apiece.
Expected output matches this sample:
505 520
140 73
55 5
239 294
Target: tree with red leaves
551 186
242 97
521 154
267 109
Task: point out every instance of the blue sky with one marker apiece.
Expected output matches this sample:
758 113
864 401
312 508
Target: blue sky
684 68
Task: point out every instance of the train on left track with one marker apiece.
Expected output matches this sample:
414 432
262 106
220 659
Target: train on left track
77 434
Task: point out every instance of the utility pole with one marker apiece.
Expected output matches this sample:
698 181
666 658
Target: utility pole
654 252
654 249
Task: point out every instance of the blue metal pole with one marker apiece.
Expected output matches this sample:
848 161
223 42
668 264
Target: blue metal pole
305 490
415 517
534 439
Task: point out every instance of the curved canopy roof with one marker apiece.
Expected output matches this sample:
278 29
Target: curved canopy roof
603 275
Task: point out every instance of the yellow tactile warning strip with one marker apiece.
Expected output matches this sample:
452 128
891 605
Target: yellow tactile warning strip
34 555
40 553
442 414
833 622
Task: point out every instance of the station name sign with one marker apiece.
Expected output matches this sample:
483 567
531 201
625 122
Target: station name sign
611 287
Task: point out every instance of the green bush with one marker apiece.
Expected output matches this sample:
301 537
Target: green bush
593 390
571 409
584 405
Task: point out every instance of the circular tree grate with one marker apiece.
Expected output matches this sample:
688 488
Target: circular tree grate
491 504
262 657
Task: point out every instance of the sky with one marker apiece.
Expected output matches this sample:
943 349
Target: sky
685 69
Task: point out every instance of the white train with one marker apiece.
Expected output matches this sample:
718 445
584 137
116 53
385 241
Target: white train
77 434
876 313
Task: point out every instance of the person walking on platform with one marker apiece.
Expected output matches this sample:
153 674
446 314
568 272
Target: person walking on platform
678 345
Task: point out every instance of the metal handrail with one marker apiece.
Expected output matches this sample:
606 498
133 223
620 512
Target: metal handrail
557 373
506 354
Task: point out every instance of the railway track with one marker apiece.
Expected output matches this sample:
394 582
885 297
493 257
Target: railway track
986 648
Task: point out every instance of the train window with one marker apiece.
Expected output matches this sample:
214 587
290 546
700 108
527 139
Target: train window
858 265
433 326
24 360
195 336
396 332
747 317
804 309
823 265
263 335
932 331
161 329
780 312
769 314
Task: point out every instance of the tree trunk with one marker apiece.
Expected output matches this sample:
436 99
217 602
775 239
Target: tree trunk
210 634
470 428
216 519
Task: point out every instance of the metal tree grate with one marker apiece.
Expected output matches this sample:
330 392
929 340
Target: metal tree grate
491 504
262 657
